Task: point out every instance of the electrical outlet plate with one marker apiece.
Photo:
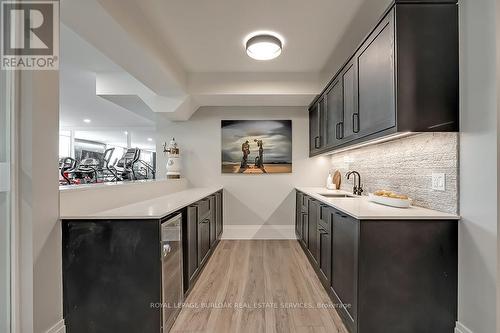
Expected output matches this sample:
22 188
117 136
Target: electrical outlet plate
439 182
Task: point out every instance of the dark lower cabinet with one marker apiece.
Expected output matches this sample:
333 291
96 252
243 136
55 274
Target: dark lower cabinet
111 275
386 276
219 225
345 266
324 243
312 243
112 269
204 229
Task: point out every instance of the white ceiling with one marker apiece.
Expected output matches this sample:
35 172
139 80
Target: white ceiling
186 54
78 99
208 36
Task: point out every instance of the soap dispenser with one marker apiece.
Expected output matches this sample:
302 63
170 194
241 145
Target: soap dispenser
329 182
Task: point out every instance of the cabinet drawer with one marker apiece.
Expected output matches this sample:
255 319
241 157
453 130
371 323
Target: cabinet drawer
204 208
324 218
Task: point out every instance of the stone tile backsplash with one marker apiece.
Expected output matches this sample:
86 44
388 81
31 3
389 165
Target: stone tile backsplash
406 166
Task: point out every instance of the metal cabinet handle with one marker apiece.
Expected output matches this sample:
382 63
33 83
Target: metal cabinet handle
341 215
355 122
322 231
204 221
317 142
339 131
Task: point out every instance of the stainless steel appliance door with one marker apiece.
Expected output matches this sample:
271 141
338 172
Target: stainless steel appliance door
172 288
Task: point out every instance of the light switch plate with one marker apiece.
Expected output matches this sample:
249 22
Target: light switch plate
439 182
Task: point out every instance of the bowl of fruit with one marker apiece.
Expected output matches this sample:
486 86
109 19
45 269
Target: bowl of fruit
390 198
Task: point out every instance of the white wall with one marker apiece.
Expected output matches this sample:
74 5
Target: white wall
478 168
255 205
40 271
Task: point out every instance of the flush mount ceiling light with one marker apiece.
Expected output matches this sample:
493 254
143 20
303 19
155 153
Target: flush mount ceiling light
263 47
87 121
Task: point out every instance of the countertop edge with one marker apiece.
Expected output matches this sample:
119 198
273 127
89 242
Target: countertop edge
439 215
100 215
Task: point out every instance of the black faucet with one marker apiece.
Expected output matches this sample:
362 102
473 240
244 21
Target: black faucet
357 189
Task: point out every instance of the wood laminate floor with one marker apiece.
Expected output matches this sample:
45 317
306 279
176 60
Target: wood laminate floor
258 286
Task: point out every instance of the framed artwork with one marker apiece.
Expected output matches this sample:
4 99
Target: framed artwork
256 146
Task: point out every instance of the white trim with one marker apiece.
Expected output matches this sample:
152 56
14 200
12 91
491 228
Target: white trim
59 327
460 328
4 176
259 232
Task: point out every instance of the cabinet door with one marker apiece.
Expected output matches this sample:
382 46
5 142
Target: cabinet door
203 239
316 126
345 262
325 243
218 208
192 241
376 81
350 104
213 221
298 215
334 114
313 228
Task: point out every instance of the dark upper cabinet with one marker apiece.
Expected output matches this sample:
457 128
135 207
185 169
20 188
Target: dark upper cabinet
403 77
376 86
350 126
317 126
334 114
345 265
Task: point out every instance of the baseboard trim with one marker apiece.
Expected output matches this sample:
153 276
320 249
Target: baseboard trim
259 232
460 328
59 327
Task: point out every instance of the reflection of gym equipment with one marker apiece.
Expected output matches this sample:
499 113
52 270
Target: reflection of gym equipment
125 165
74 173
110 168
145 169
92 170
87 170
66 165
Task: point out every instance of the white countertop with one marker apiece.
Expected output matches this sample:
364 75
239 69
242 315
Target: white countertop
363 209
153 208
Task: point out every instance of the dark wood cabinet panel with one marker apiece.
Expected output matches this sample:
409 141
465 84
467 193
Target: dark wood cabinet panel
317 117
192 243
345 263
219 225
403 77
312 233
392 276
203 239
376 80
298 215
213 221
325 243
111 275
415 273
351 124
334 114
